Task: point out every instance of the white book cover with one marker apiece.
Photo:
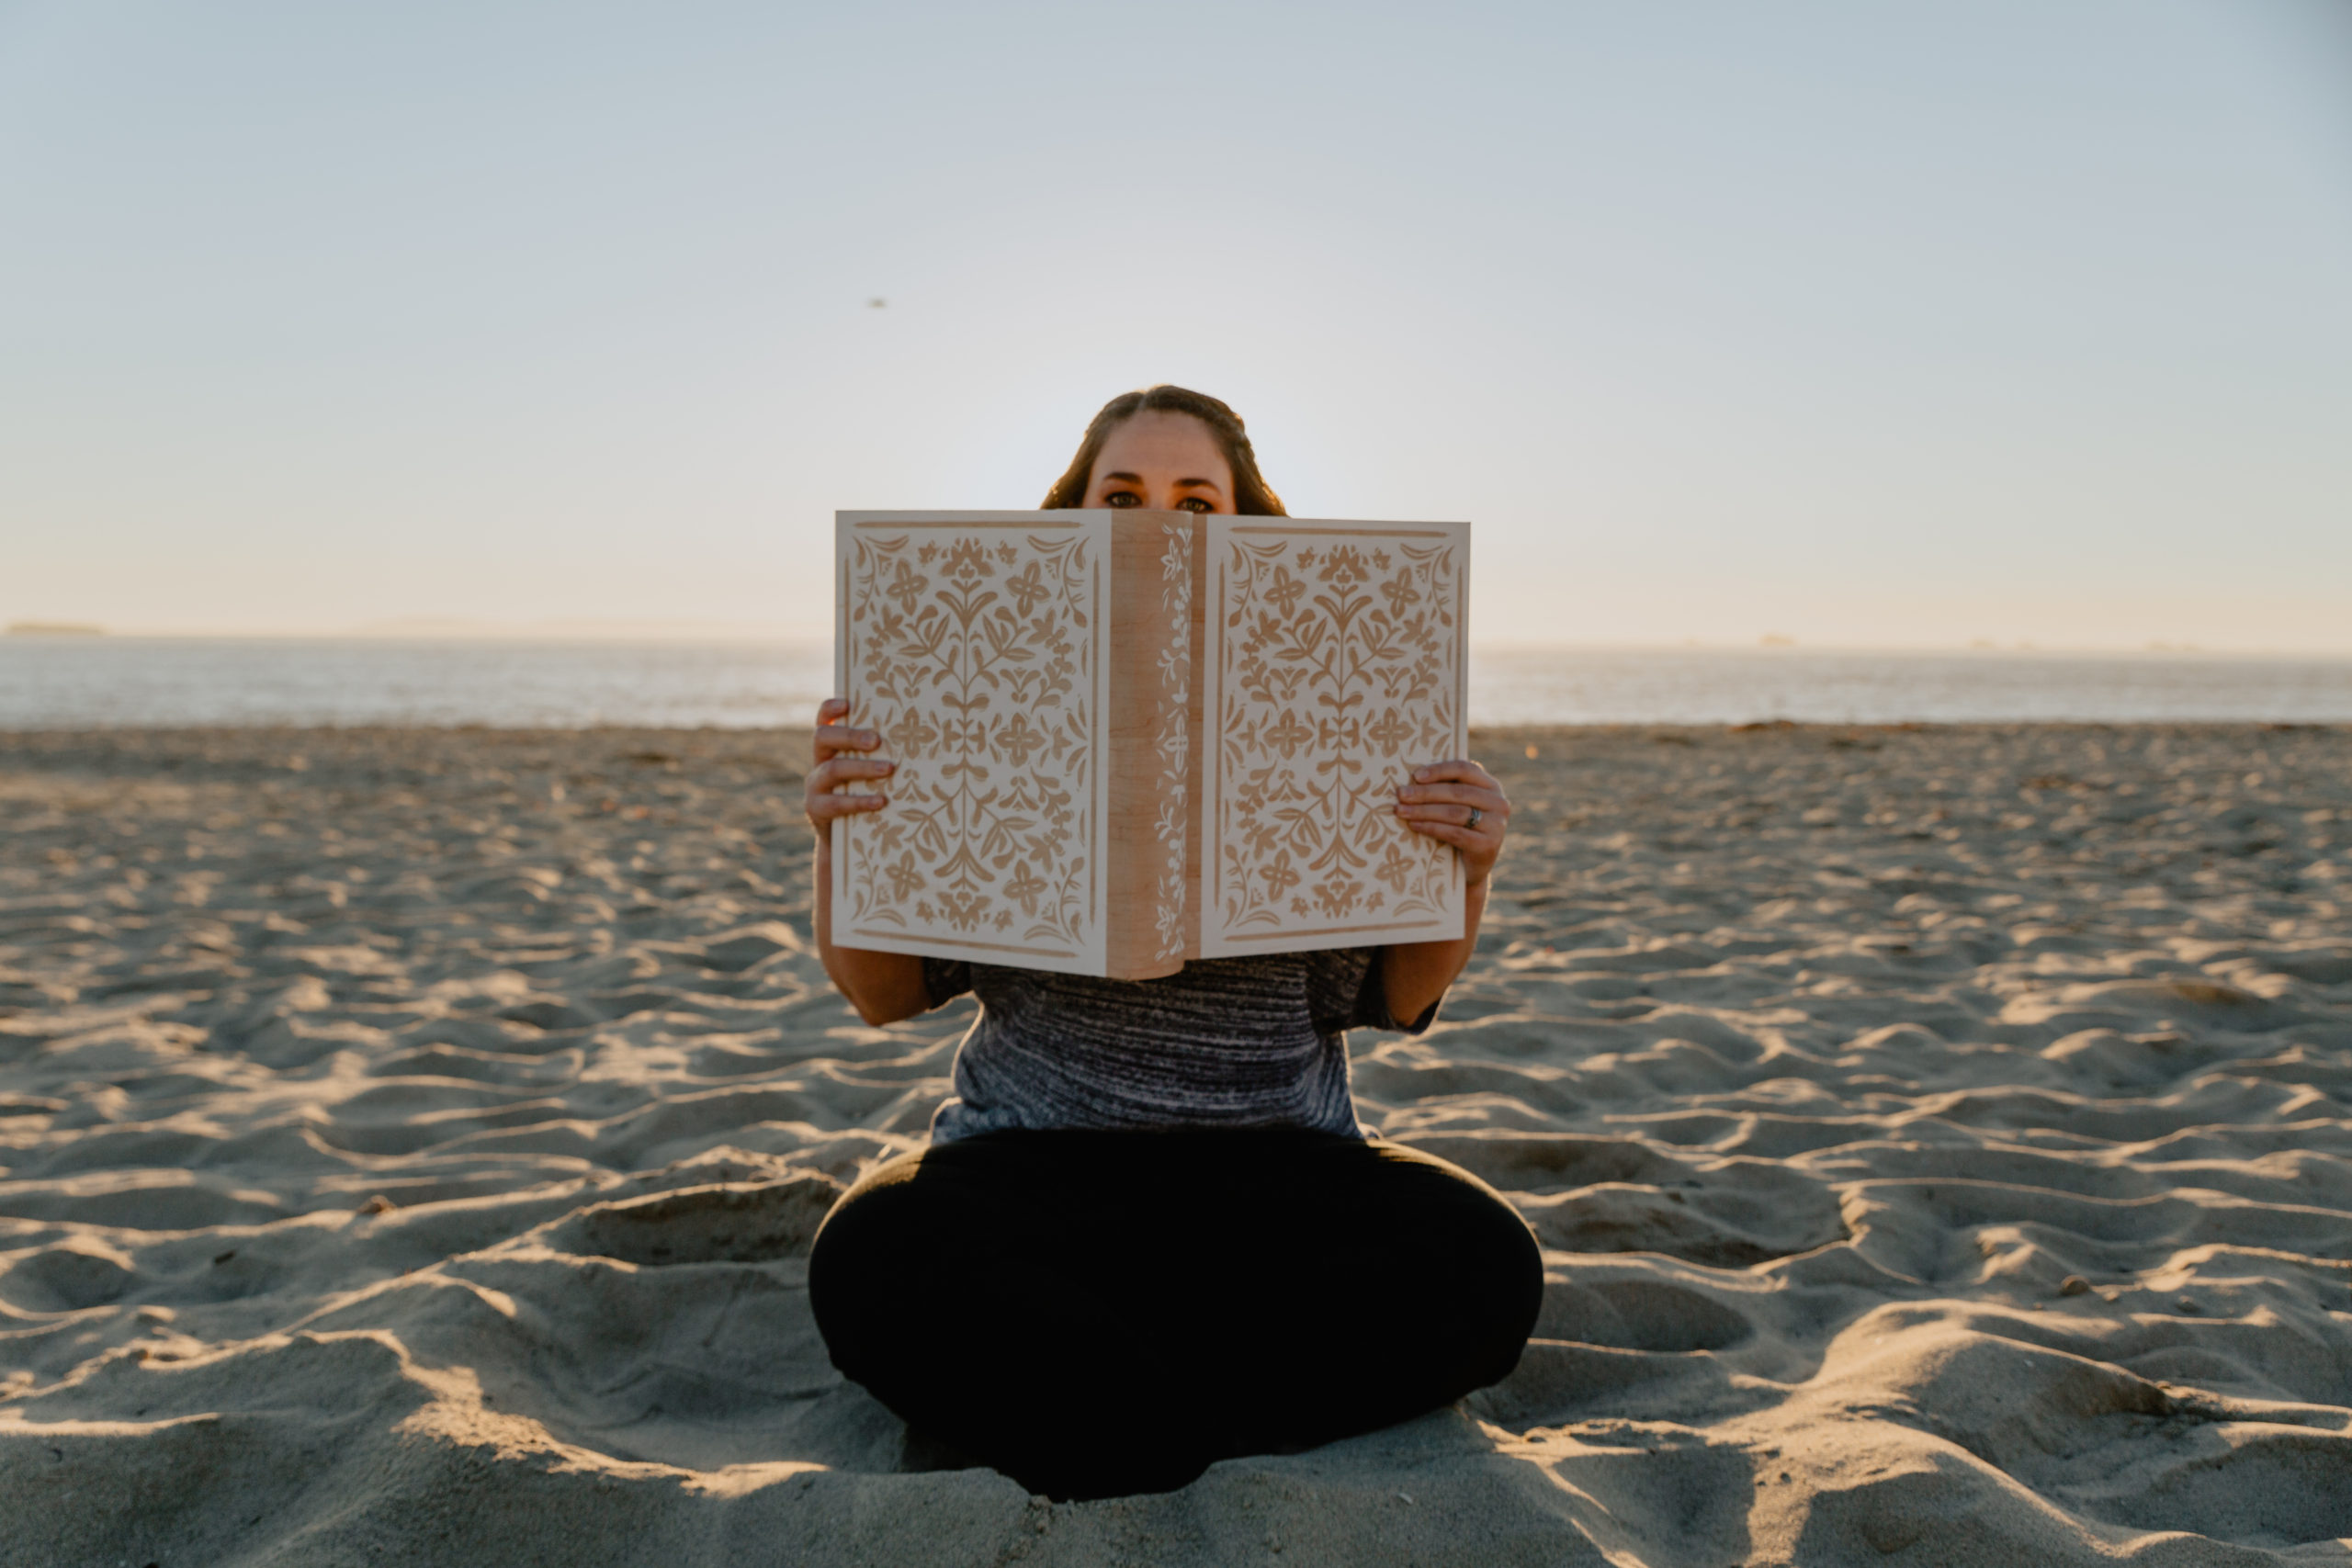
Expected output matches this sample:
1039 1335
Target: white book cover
1335 666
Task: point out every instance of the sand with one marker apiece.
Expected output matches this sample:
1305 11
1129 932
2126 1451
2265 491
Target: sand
409 1143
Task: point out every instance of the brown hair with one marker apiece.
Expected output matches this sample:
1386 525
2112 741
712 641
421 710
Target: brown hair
1251 495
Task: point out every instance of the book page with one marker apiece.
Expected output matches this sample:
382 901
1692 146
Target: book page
1335 665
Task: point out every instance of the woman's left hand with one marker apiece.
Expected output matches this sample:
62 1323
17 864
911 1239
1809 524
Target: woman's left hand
1458 803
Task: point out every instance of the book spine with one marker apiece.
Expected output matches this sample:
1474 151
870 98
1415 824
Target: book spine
1197 837
1152 728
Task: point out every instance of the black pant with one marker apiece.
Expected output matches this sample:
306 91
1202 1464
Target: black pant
1103 1312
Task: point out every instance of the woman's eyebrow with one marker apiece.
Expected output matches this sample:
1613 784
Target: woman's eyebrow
1123 477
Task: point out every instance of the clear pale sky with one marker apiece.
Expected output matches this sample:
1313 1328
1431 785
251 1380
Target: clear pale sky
1859 323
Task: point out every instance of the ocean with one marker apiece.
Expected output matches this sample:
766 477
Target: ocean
57 682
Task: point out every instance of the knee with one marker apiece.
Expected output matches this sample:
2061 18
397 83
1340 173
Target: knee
1489 1259
846 1230
1506 1270
1488 1291
856 1262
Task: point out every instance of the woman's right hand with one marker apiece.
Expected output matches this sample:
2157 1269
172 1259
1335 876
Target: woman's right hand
883 987
839 761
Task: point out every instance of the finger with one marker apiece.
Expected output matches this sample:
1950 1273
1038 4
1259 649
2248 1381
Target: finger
834 737
832 708
1462 839
1490 822
1453 795
842 770
825 808
1458 770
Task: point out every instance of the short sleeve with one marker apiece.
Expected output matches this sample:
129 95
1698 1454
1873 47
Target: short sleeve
1348 989
946 979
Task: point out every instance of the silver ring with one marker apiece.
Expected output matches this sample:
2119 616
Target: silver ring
1475 814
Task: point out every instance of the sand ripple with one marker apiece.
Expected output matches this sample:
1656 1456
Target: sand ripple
410 1142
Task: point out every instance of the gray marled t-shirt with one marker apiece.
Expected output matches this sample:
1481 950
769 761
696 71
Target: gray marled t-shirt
1257 1041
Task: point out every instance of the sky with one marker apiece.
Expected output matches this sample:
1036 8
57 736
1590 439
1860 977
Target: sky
1860 324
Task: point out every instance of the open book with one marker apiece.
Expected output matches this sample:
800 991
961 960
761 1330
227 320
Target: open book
1129 739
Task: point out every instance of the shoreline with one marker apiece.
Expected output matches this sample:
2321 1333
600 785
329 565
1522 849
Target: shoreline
73 685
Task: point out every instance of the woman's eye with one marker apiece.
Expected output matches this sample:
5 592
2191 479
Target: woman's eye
1195 503
1122 498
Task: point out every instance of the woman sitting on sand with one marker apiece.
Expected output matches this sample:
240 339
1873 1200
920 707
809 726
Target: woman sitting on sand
1147 1234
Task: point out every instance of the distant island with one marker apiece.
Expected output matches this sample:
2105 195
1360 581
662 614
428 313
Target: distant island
54 629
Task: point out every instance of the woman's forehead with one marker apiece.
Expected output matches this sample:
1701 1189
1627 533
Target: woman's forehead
1161 439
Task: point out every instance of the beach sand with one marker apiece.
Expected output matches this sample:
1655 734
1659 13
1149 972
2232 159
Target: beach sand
409 1141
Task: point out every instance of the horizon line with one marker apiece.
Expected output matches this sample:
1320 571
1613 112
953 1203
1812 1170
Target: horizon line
625 633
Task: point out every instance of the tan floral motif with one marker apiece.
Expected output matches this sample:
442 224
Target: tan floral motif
1337 671
975 653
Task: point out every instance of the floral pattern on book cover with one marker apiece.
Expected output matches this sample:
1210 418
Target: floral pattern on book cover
1341 678
975 657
